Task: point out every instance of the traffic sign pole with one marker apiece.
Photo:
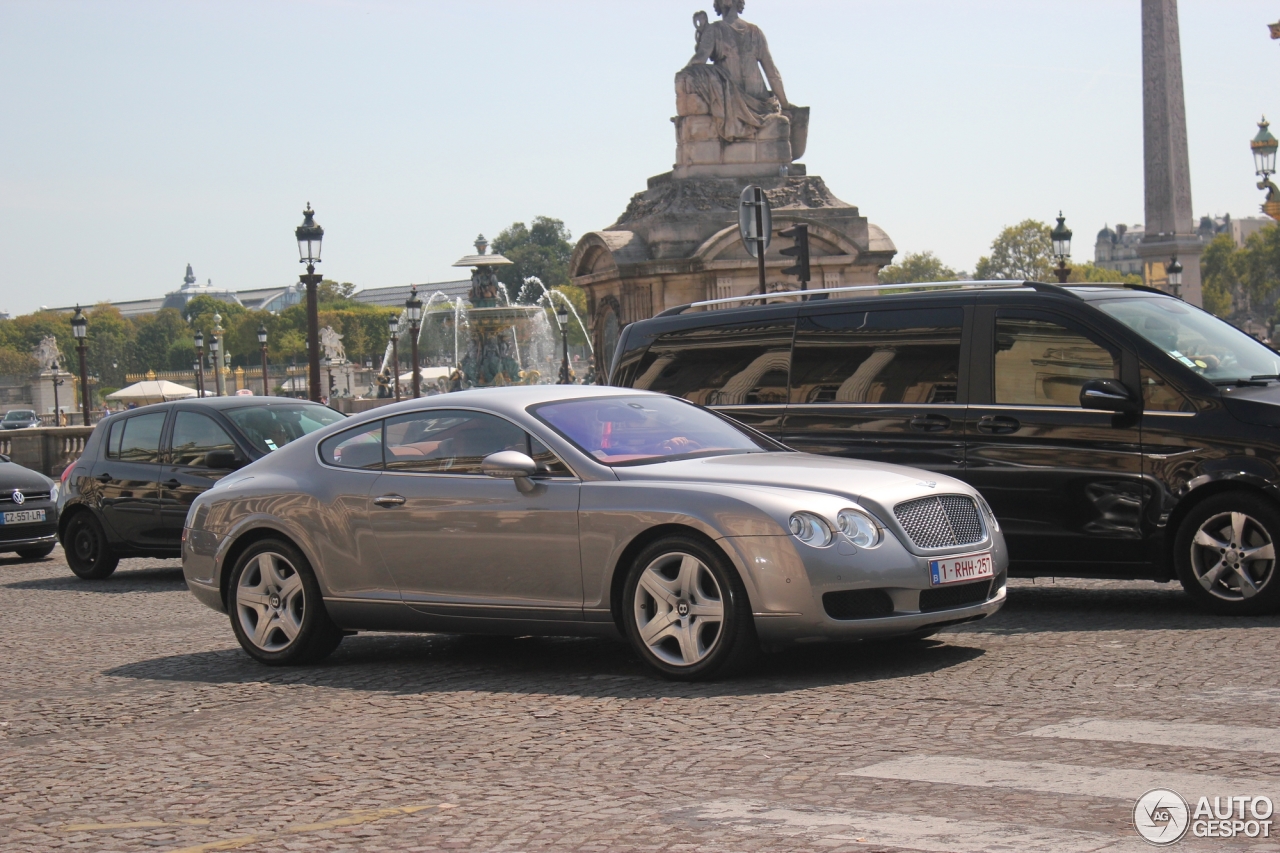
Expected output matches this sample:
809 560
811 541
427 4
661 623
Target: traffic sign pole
760 235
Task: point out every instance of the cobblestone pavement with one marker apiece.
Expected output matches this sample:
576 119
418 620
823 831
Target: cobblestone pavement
130 720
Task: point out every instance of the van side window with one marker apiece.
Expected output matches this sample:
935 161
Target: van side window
1043 363
1160 396
730 365
907 356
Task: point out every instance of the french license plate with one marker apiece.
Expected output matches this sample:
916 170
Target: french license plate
22 516
970 567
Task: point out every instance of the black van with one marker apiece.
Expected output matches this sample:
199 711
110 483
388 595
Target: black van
1117 432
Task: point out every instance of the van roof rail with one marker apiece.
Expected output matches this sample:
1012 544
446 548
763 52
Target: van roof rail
954 285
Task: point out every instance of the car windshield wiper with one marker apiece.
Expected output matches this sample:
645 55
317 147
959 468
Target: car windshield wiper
1260 380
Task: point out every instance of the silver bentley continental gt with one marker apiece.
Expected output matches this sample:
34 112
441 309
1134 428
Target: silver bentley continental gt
582 510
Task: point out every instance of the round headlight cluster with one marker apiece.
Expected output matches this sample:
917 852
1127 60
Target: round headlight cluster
859 527
811 529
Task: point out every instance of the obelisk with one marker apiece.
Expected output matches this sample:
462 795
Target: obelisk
1170 226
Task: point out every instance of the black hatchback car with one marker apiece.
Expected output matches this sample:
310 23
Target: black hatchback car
129 493
1116 432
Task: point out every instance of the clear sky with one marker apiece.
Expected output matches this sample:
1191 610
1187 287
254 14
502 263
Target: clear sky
136 137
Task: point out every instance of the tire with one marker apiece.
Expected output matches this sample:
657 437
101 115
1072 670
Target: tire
276 609
1225 554
35 553
715 634
88 553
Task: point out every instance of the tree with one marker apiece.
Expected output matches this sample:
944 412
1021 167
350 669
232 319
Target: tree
1021 252
1088 273
918 266
330 292
542 249
1219 276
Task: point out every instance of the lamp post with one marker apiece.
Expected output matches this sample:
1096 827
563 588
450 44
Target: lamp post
393 324
199 362
1264 147
1061 237
262 342
57 410
215 347
1173 270
79 328
328 366
413 308
310 235
562 318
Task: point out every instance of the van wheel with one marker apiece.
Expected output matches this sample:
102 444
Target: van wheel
85 543
1225 554
276 610
686 611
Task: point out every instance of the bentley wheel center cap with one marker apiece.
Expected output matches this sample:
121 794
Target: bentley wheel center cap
275 600
683 608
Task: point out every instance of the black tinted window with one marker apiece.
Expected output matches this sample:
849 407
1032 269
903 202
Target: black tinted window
140 439
196 435
733 365
908 356
1042 363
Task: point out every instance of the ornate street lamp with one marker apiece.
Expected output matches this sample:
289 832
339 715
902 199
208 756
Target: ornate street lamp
199 362
393 325
1061 237
57 410
413 309
215 346
310 235
79 328
1173 270
262 342
562 318
1264 147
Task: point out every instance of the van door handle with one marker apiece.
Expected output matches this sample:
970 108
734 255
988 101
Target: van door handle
173 483
104 477
389 501
998 424
929 423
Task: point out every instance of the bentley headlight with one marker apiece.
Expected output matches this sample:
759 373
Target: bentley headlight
991 516
811 529
859 527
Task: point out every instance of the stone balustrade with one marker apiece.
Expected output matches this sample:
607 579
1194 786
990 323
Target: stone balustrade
48 450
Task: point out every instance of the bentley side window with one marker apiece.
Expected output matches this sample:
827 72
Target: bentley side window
449 441
907 356
356 448
1042 363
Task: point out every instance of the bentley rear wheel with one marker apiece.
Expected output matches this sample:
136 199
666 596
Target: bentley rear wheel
686 611
276 608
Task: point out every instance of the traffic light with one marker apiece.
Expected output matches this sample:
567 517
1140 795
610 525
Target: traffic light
799 249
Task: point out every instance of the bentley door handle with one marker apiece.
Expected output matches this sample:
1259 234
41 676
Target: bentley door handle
389 501
998 424
929 423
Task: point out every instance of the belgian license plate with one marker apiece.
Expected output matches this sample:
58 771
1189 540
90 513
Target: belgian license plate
970 567
22 516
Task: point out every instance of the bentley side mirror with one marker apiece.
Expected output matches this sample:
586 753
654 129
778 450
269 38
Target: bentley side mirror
1108 395
227 460
511 465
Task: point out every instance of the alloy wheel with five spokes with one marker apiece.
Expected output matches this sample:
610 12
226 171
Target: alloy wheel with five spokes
276 607
1225 554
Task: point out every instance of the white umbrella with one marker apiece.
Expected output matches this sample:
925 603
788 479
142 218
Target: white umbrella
428 374
152 391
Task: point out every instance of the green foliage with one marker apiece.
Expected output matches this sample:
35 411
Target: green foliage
1021 252
1219 276
330 292
541 249
1088 273
578 299
918 266
15 362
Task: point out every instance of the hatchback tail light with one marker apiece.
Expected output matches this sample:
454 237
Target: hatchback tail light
66 472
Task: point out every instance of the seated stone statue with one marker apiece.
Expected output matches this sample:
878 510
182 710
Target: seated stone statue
725 114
